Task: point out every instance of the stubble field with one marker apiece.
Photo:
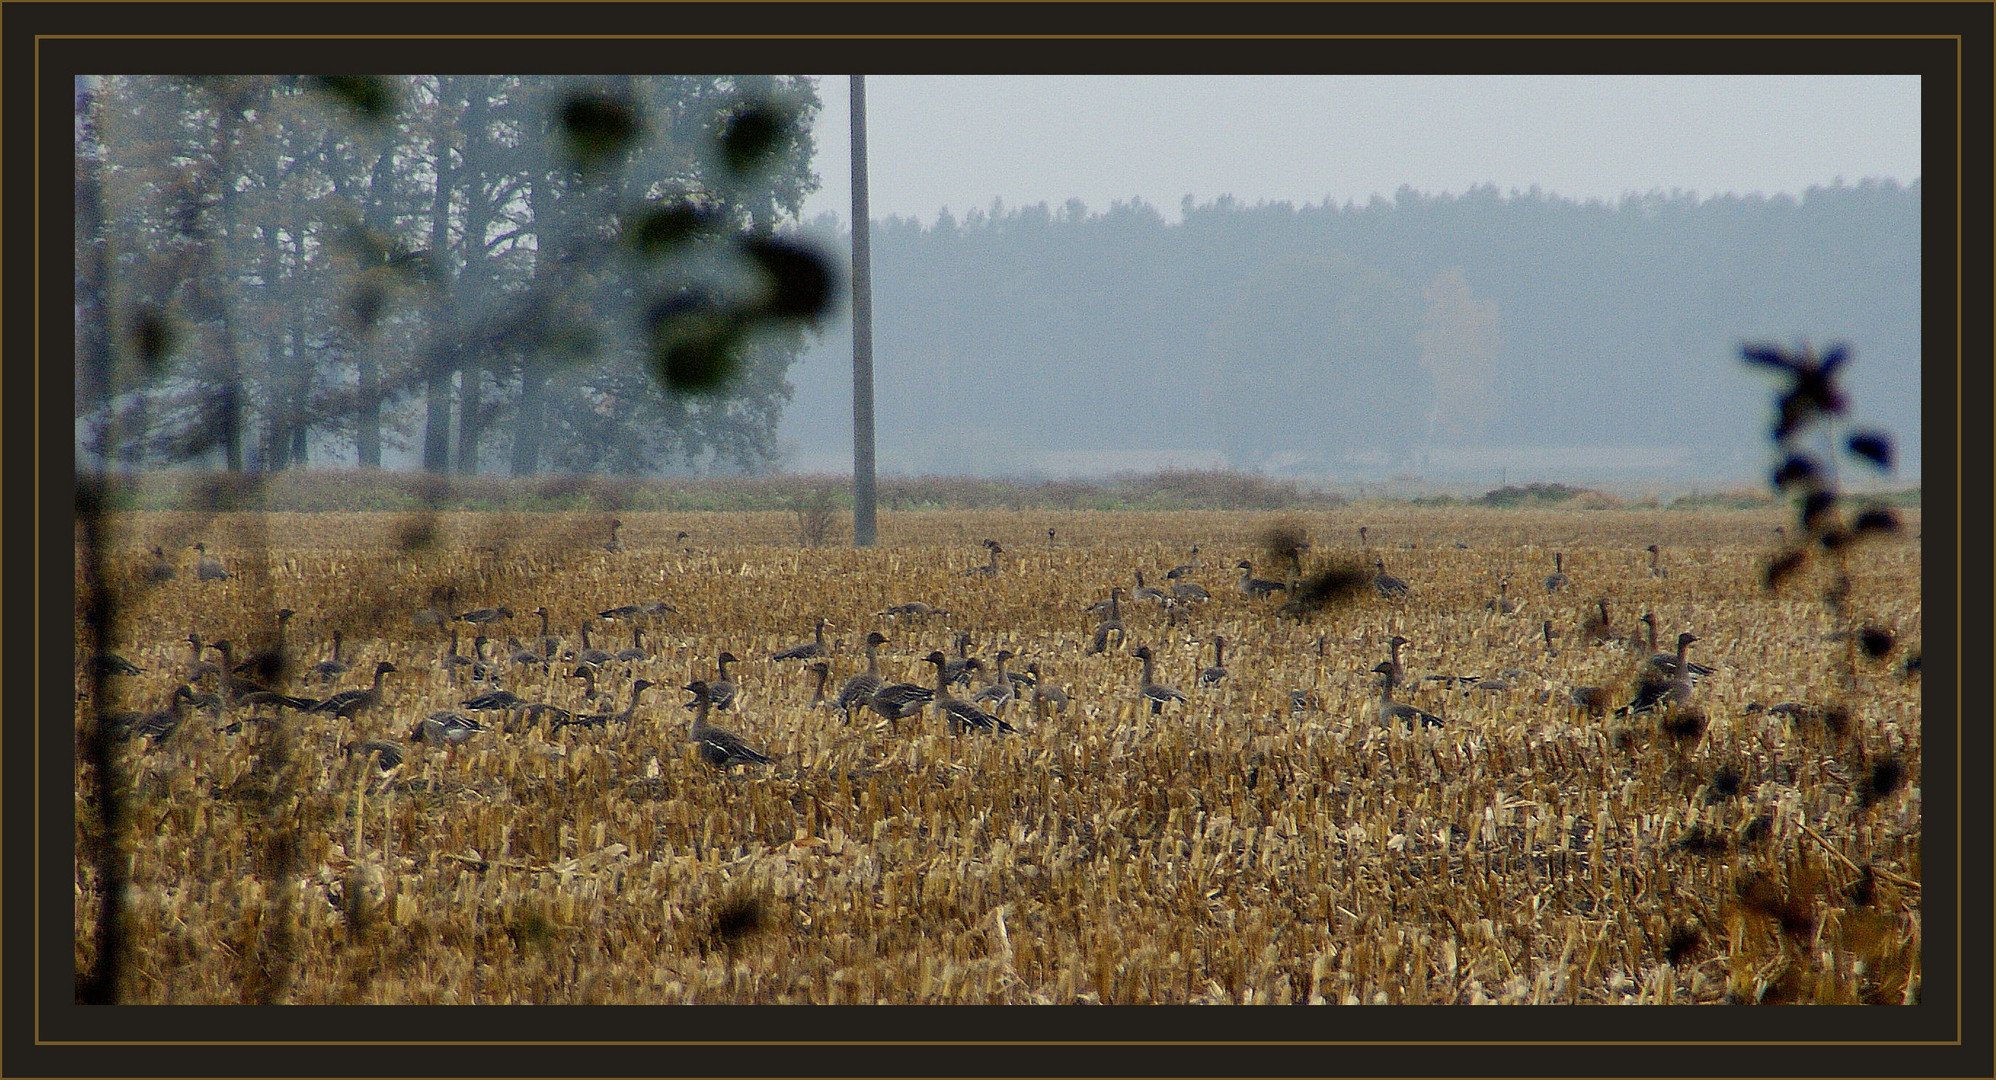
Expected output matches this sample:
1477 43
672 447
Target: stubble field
1239 847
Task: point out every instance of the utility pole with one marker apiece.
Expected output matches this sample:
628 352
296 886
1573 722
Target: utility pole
862 332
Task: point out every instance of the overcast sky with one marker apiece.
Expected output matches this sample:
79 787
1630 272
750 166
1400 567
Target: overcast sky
961 140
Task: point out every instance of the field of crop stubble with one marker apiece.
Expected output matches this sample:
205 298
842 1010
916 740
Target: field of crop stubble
1232 849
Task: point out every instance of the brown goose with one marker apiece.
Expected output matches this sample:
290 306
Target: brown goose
350 703
1149 688
961 714
999 693
859 689
989 569
1212 675
1046 696
615 544
718 747
1391 711
1256 588
161 568
209 568
822 670
1656 690
328 670
1111 625
1557 579
814 647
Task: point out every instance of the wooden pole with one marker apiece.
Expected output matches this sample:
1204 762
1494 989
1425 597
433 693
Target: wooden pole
862 332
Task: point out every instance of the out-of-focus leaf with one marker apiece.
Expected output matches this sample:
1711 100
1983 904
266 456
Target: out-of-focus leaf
368 96
800 279
667 225
750 137
152 340
694 339
1781 567
1796 469
1876 520
597 127
1872 446
1766 356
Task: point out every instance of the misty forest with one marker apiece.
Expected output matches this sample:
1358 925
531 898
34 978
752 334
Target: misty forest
414 291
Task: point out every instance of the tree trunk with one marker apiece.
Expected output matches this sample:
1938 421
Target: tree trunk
527 423
367 425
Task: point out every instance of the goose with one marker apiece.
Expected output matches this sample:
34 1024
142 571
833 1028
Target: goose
1046 696
1656 569
328 670
161 568
452 659
387 755
1656 689
522 655
209 568
637 651
999 693
235 691
961 667
860 689
197 668
1188 591
914 609
589 655
989 569
721 692
481 616
1597 630
1391 710
814 647
1212 675
1363 542
494 701
1386 583
1149 688
615 543
155 726
1557 579
1503 605
274 662
348 704
1111 625
961 714
1551 649
898 700
449 730
1393 646
1256 588
1147 592
1187 569
1664 663
1592 700
603 719
548 642
113 664
822 669
718 747
588 676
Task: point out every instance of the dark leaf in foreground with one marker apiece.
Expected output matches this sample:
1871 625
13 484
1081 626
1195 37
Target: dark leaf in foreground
1872 446
368 96
1883 522
1876 641
597 127
152 340
1781 567
1681 942
750 138
1879 784
668 225
1796 469
737 919
800 279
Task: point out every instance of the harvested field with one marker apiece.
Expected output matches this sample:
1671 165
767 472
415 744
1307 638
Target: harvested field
1266 840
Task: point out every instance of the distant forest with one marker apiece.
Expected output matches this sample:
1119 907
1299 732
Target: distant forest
1418 334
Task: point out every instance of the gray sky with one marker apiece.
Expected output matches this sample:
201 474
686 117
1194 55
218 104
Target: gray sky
960 140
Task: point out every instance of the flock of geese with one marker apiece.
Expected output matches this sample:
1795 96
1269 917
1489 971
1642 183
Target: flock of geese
1666 680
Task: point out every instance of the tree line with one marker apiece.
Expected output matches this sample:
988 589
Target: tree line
488 273
1361 336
